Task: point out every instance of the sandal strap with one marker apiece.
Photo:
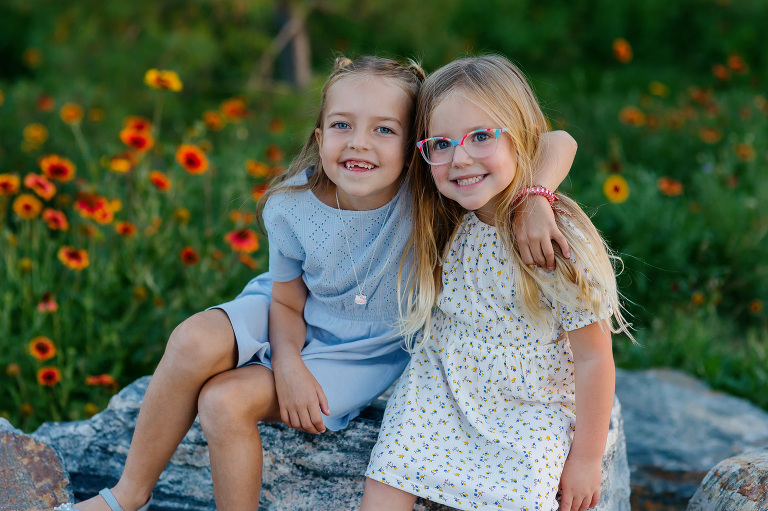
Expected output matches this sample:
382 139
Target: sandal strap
111 500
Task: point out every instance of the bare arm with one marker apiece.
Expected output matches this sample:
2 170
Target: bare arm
534 223
300 396
595 382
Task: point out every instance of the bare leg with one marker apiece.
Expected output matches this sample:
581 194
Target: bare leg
230 406
199 348
382 497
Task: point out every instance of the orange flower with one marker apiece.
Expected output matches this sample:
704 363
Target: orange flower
243 240
95 207
42 348
710 135
182 215
213 120
632 115
138 123
46 103
48 376
101 380
257 168
189 256
47 303
616 189
163 80
259 190
737 64
192 158
40 185
755 306
27 206
120 164
249 261
9 184
698 298
234 109
71 113
276 126
55 219
141 141
700 96
745 152
273 153
36 134
669 187
239 216
126 229
721 72
57 167
73 258
160 180
622 50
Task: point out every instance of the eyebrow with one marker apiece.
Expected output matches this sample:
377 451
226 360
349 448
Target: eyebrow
470 131
378 118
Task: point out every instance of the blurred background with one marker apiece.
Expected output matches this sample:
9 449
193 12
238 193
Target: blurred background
136 136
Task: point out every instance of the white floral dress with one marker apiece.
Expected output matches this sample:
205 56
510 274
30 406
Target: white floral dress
484 414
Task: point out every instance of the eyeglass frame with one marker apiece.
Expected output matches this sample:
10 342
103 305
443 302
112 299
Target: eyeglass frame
454 143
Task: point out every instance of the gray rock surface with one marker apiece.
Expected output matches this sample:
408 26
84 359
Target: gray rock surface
32 474
677 429
739 483
301 471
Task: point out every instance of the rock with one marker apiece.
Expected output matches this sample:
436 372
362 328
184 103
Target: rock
739 483
32 474
677 429
301 471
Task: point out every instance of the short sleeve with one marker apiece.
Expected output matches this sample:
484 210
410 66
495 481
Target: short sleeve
286 255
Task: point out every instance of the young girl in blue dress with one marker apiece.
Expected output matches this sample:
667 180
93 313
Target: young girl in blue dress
508 395
314 340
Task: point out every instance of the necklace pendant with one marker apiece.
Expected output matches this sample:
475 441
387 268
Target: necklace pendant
361 299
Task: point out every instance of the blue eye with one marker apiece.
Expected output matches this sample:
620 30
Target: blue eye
340 125
386 131
441 145
481 137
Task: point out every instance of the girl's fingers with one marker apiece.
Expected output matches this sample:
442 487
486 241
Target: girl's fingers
323 402
595 499
525 254
294 421
317 419
563 243
547 255
306 422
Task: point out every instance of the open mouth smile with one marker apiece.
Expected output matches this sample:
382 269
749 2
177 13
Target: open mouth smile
358 165
468 181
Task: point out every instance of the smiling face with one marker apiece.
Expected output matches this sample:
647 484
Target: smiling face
363 138
476 184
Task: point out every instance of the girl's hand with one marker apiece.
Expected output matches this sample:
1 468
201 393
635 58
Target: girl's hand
580 485
301 398
535 230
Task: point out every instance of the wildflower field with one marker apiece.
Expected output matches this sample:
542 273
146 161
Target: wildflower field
135 141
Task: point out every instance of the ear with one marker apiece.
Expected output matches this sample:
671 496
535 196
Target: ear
319 137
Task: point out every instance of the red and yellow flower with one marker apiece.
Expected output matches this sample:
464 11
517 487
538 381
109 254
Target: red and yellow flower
163 80
273 153
40 185
101 380
192 158
27 206
42 348
669 187
721 72
240 217
47 303
213 120
616 189
9 184
189 256
755 306
259 190
57 167
160 180
136 122
622 50
48 376
632 115
126 229
258 169
744 152
138 140
242 240
73 258
55 219
95 207
249 261
45 103
710 135
737 64
276 126
234 109
71 113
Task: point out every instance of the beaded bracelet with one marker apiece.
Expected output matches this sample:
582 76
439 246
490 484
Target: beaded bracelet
535 190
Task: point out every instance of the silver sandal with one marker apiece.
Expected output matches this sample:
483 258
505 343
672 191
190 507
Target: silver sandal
106 494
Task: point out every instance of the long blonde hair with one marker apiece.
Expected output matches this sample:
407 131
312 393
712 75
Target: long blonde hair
500 89
408 76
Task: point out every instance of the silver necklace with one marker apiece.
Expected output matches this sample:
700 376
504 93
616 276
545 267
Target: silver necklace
361 298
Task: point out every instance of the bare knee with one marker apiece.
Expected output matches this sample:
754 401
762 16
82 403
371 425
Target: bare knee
203 342
228 405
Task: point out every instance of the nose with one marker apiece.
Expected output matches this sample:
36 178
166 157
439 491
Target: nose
461 157
359 140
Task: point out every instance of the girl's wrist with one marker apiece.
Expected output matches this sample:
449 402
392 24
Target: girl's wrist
536 190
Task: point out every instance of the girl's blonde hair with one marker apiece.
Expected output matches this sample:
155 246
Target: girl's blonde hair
408 76
498 87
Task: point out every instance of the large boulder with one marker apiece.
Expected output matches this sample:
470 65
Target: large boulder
32 474
677 429
739 483
301 471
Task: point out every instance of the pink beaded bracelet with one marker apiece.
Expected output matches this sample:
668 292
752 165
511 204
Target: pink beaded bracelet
535 190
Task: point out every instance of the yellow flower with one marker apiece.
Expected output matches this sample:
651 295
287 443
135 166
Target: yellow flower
659 89
616 189
27 206
163 80
36 134
71 113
